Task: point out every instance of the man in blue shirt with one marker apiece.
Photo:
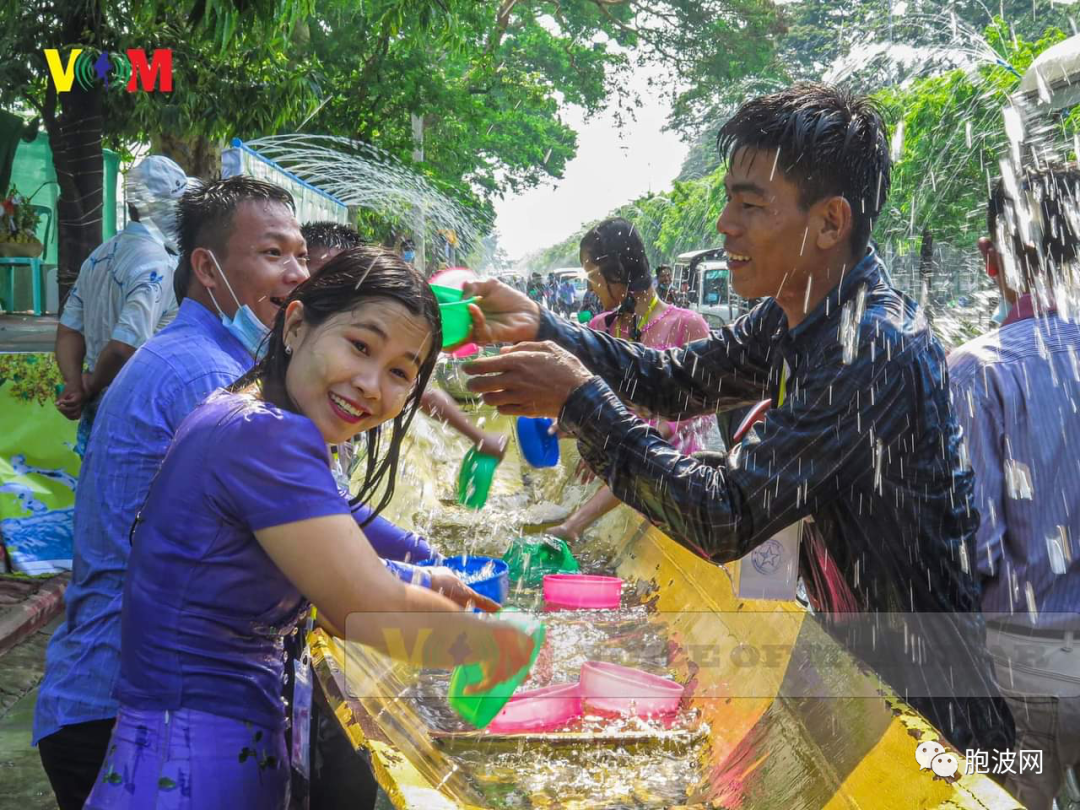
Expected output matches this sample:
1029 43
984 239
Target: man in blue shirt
567 296
124 293
861 436
248 239
1016 392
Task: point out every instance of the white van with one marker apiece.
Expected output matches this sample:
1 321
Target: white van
706 272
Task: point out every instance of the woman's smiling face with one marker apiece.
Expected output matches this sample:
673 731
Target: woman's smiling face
355 370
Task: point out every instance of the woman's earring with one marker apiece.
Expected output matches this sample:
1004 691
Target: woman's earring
288 350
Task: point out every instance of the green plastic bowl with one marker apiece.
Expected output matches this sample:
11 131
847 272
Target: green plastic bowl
454 310
480 709
584 316
474 479
456 322
446 295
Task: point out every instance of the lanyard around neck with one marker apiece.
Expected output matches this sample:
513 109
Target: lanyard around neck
645 318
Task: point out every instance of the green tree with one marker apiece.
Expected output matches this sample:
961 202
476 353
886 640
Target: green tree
952 138
78 122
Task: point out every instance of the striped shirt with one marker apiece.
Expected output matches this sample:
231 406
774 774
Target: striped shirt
1017 394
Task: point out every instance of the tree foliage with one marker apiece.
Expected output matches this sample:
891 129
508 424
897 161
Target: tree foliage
952 139
952 133
487 78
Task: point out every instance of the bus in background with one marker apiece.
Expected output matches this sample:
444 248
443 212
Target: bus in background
709 293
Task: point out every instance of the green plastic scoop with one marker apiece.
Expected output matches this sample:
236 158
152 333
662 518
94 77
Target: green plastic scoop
531 562
480 709
475 477
456 320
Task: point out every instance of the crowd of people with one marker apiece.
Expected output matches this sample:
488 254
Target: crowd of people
938 495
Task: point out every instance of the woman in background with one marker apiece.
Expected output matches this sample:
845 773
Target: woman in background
614 257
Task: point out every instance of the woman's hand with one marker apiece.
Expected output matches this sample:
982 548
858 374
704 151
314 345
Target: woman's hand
583 472
444 581
502 314
507 650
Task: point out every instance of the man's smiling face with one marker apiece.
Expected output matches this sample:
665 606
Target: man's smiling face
265 258
764 226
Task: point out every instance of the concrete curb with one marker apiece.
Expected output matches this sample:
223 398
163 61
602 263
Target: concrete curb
19 621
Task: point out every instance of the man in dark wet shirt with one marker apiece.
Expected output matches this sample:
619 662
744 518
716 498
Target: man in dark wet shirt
861 437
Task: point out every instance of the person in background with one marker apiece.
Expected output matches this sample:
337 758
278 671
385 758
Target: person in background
325 240
682 297
123 294
1016 391
535 288
244 526
663 284
551 292
861 435
614 256
567 296
408 250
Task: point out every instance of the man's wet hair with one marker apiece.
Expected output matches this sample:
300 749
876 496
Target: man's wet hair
332 235
831 143
206 217
1049 208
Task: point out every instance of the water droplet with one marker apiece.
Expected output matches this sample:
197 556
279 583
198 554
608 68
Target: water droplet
1018 480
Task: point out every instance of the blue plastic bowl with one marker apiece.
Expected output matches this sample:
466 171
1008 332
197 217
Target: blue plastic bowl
540 448
496 586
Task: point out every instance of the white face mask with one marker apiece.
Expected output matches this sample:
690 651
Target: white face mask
244 325
1001 313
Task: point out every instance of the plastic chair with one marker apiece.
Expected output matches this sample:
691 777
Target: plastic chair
34 265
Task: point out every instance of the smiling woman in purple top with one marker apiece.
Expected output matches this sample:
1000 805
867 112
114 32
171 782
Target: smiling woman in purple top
244 525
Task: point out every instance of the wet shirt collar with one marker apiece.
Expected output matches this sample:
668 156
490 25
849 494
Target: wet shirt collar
1024 308
867 271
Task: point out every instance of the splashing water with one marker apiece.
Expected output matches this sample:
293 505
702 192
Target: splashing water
850 319
362 175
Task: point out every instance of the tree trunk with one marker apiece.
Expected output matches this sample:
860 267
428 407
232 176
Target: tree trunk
197 155
926 255
75 141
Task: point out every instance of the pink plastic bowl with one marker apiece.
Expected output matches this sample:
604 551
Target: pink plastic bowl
625 691
538 710
582 591
468 350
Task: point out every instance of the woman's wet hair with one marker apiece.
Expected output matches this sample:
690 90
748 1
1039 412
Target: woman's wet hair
831 143
205 215
351 278
615 247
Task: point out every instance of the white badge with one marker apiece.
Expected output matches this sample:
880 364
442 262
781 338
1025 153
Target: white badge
771 571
